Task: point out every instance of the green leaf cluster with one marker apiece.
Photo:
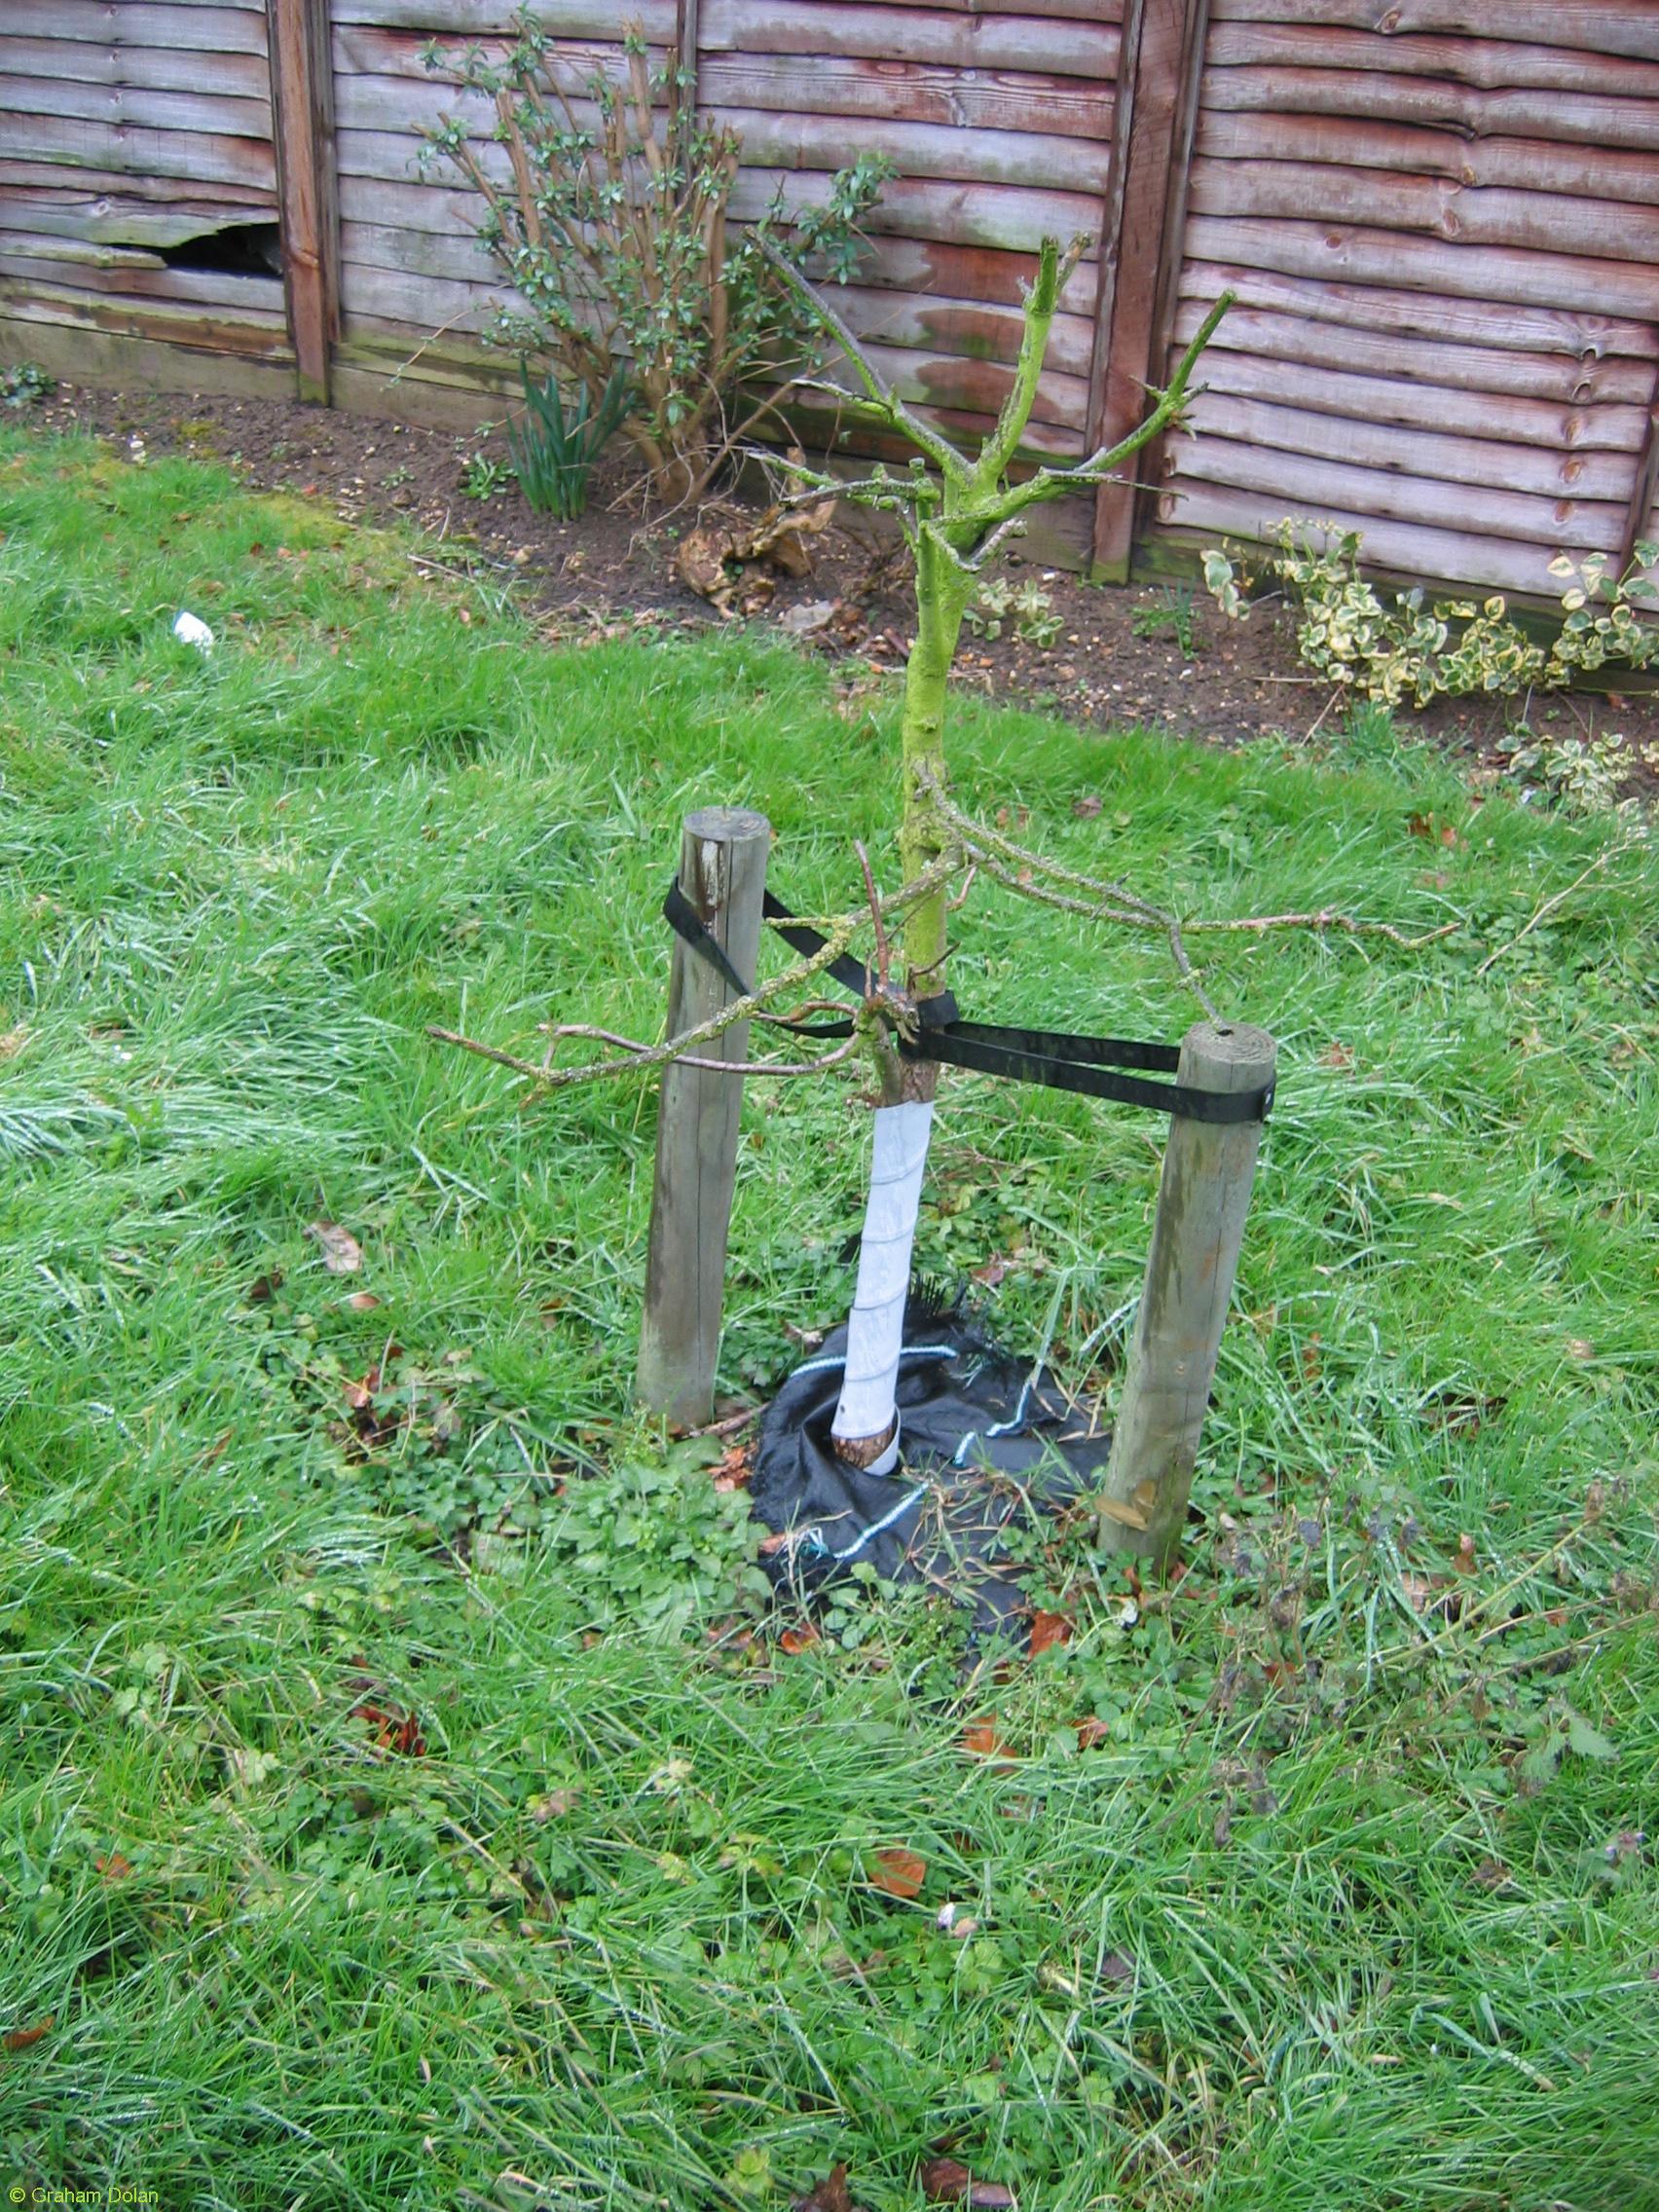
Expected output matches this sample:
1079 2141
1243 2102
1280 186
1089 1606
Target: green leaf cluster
1026 607
554 447
1414 650
656 1548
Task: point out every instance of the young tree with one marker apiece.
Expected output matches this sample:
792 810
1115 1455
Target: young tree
956 513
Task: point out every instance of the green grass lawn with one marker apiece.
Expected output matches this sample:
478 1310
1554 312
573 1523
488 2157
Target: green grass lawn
397 1807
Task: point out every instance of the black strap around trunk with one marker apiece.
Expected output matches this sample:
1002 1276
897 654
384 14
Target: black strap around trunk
1087 1065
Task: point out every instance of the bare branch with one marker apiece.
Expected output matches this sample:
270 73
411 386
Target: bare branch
759 1001
1327 919
1014 879
974 561
980 834
633 1046
1051 482
1550 904
944 456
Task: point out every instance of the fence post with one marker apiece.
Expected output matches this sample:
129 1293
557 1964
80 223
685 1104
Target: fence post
1208 1169
1162 52
723 872
302 81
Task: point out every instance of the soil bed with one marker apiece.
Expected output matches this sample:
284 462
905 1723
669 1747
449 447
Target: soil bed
1118 656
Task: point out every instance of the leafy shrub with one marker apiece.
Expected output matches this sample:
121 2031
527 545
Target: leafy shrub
1419 650
1030 607
611 224
1584 775
554 451
25 385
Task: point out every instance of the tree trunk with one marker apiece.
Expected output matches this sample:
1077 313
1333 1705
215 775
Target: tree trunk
865 1430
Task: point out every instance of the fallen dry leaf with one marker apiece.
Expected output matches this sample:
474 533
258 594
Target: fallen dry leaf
553 1804
801 1639
341 1254
898 1873
1465 1562
710 560
1092 1731
19 2038
13 1042
1048 1629
830 2194
264 1288
981 1739
808 618
115 1868
736 1465
700 563
394 1731
948 2180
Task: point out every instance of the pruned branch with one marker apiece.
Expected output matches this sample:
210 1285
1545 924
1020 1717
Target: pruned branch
1053 271
1054 481
887 403
1326 918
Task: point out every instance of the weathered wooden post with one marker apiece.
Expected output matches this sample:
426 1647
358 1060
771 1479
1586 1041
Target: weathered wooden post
1197 1234
723 873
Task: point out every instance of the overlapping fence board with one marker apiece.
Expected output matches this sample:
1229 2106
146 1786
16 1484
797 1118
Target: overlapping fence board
128 132
1443 224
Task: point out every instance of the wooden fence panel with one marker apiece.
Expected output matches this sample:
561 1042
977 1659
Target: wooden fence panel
999 123
1443 225
129 132
1441 219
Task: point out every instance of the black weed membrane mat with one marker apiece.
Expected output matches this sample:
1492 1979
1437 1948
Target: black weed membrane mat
988 1444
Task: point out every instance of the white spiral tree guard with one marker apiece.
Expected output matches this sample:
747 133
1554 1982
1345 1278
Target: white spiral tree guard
867 1406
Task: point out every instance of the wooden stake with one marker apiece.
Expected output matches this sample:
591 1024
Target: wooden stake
723 872
1208 1169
